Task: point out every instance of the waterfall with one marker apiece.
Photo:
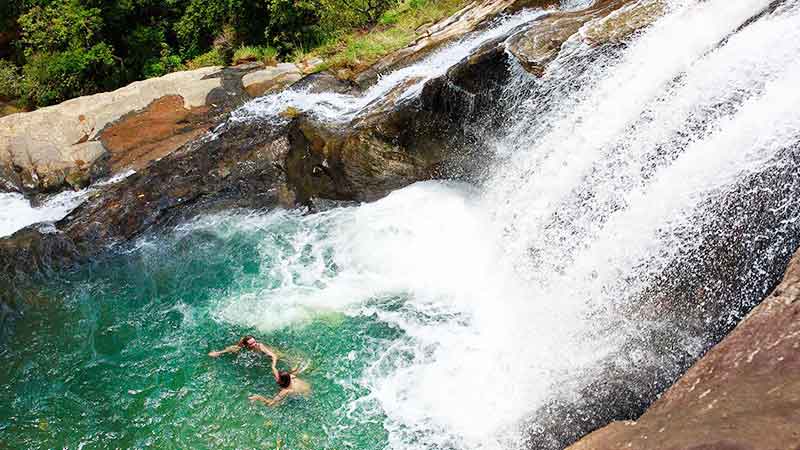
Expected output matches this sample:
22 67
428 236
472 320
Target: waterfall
610 175
637 200
336 108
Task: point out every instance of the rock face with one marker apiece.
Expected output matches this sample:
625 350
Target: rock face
263 164
467 19
744 394
395 144
240 169
70 144
59 144
605 21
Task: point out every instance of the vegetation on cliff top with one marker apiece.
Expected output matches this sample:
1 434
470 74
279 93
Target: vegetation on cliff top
54 50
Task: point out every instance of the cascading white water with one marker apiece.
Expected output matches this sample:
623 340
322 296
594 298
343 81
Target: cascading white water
17 212
333 107
494 300
509 291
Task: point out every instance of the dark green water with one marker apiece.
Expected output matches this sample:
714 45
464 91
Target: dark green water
115 356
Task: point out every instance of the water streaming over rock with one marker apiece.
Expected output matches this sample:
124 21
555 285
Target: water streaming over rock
642 198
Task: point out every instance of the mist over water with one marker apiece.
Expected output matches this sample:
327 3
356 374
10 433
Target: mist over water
447 315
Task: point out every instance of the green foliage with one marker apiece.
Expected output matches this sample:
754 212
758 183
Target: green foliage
65 48
205 20
356 49
61 25
54 77
293 24
355 13
163 65
10 80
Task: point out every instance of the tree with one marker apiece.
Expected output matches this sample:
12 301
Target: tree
64 55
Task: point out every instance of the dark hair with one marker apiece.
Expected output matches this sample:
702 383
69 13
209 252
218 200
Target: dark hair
284 379
244 339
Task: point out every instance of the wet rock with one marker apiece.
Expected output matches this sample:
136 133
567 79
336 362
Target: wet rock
238 169
325 82
397 141
617 26
470 18
271 79
743 394
604 21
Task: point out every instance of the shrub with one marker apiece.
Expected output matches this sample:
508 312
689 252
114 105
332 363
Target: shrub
354 13
204 20
161 66
59 26
10 80
51 78
294 25
210 58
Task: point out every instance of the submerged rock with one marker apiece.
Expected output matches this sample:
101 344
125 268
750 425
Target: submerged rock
743 394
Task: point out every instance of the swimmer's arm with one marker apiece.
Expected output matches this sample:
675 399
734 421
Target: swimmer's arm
274 401
231 349
275 367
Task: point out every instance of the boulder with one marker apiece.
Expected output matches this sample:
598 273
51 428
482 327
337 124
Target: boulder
69 144
239 169
271 79
604 21
46 146
744 394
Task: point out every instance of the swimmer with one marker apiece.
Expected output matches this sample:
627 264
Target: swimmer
289 383
247 342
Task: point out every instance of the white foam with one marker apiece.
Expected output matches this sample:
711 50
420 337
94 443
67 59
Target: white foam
17 212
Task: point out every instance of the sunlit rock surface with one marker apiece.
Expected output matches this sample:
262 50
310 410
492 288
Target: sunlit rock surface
59 145
605 21
271 79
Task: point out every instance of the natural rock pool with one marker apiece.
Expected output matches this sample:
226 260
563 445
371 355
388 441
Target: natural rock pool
631 202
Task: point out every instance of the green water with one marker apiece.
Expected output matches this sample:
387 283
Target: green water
115 356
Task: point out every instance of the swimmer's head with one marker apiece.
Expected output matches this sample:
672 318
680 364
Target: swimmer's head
284 379
247 342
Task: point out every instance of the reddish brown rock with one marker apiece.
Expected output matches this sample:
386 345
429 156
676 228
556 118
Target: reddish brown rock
153 133
744 394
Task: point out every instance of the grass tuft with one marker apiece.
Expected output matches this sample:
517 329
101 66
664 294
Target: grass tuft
264 54
396 28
